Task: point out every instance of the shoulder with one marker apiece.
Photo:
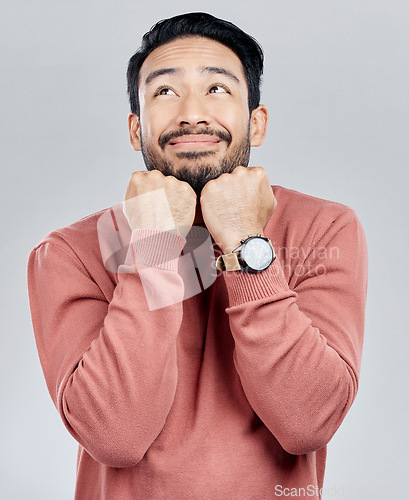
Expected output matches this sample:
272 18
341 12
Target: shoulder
298 207
90 241
305 205
83 232
310 220
92 245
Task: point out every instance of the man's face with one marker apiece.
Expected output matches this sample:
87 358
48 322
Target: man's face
194 118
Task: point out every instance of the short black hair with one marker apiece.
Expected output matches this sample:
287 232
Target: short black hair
243 45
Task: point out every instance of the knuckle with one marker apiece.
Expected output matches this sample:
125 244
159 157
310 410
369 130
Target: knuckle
155 173
135 176
170 179
223 178
258 171
240 170
186 188
211 185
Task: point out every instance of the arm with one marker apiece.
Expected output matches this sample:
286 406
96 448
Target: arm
110 367
298 351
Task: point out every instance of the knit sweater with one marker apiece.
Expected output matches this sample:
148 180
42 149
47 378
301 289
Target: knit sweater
231 391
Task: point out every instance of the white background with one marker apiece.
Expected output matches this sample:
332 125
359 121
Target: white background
336 85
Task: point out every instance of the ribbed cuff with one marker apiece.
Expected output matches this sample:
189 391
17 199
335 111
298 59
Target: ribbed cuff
245 287
154 248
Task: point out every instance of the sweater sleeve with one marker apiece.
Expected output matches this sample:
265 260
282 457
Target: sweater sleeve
298 351
110 367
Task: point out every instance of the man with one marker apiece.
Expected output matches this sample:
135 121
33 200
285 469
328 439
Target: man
231 389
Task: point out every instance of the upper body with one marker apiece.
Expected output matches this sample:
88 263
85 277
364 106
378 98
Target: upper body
177 386
230 393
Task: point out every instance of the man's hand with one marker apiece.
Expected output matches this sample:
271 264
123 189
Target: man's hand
237 204
156 201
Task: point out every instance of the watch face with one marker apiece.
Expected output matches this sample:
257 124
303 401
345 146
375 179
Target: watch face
257 254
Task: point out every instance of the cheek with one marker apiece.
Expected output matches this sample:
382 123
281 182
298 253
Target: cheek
147 130
154 123
234 118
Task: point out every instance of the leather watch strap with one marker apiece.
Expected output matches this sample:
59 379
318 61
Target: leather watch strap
228 262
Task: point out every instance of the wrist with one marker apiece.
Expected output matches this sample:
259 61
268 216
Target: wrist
254 254
231 241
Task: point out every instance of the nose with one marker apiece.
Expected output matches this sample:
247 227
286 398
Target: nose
193 111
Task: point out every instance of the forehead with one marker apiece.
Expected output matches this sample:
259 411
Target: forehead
192 53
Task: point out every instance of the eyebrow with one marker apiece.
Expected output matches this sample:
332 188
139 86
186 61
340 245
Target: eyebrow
220 71
160 72
205 69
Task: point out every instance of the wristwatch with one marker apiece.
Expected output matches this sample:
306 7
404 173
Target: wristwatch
254 254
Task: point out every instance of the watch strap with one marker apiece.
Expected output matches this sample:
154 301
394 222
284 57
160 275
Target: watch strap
228 262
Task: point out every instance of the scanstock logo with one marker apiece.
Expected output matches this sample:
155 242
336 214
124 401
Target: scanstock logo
195 264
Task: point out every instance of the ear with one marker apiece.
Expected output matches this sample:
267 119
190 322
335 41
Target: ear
258 125
134 132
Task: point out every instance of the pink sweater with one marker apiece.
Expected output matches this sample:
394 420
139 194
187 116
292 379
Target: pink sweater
232 393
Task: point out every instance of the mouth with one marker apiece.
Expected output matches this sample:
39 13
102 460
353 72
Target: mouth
199 141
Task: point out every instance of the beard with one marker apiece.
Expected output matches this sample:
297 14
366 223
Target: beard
199 169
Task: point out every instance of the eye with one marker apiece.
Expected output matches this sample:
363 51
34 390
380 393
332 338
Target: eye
219 89
164 91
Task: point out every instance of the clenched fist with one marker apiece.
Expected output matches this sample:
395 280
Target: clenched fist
156 201
237 204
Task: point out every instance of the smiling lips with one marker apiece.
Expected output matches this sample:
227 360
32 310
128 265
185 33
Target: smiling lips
194 141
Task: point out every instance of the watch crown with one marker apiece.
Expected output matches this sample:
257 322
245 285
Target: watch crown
259 236
241 241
